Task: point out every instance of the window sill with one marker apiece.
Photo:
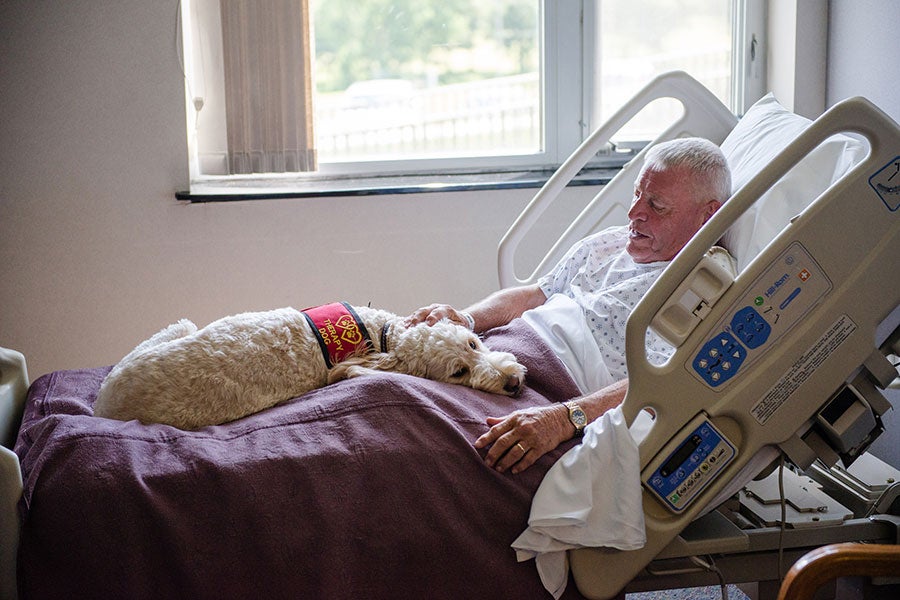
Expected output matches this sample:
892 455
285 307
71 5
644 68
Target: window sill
273 189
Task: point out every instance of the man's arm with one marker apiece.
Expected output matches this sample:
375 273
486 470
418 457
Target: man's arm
522 437
494 311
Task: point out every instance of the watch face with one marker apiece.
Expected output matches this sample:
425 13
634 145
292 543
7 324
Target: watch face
579 418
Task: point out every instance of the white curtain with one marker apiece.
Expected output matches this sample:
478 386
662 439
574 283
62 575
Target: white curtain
268 86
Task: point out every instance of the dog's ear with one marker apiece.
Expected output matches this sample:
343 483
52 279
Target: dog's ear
366 364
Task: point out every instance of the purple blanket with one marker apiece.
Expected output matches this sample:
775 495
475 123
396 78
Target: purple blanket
369 488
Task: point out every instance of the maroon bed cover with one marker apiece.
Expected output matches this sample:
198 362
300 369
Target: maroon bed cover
369 488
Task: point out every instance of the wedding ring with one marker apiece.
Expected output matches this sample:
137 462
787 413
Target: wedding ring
521 447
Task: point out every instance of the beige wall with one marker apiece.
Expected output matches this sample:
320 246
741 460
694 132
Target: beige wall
95 252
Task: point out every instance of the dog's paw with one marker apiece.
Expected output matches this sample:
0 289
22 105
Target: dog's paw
343 371
367 364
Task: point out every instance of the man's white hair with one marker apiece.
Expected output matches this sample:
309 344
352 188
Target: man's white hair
701 157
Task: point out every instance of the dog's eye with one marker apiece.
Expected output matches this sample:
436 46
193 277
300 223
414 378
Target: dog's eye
473 345
461 372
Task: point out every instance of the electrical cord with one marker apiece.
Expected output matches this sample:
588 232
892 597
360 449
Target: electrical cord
783 502
710 565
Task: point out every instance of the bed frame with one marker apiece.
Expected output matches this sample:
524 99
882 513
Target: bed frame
853 231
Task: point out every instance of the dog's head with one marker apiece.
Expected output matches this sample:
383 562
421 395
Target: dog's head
445 352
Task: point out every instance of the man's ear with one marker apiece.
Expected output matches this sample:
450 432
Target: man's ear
711 207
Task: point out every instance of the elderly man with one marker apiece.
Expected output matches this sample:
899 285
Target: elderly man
600 280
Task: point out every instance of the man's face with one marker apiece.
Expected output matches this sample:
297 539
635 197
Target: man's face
664 214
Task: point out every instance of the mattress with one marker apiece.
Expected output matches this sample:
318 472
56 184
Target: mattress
369 488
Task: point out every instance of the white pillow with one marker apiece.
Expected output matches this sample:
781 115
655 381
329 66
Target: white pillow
759 136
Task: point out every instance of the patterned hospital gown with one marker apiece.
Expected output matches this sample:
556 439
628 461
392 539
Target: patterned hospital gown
601 277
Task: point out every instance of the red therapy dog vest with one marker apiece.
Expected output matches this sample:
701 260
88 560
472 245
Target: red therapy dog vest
339 331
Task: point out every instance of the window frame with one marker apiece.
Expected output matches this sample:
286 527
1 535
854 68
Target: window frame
568 37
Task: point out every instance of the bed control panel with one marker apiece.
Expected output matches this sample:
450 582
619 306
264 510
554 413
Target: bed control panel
692 465
779 298
719 359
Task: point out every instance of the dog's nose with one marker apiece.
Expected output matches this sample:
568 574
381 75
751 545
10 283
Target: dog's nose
513 385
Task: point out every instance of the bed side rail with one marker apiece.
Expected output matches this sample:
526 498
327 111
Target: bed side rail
13 388
703 115
850 238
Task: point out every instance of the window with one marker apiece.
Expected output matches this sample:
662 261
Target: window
413 79
327 88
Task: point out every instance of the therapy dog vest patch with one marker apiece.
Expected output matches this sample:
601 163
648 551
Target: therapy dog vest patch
339 331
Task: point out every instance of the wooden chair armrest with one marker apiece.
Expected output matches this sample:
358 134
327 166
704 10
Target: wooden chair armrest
821 565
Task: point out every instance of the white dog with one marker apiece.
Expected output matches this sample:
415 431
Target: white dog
245 363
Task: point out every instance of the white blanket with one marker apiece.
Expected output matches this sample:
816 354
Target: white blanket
590 497
560 323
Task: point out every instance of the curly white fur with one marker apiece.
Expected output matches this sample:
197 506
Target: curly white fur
242 364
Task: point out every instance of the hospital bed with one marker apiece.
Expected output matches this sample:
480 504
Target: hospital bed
371 487
792 353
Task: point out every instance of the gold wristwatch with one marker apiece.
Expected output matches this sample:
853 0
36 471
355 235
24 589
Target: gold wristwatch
577 417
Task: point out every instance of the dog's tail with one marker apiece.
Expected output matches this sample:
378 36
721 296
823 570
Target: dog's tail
182 328
109 400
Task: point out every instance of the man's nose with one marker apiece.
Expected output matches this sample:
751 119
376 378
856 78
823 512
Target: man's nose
636 212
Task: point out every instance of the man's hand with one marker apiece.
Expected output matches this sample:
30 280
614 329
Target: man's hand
522 437
433 313
496 310
519 439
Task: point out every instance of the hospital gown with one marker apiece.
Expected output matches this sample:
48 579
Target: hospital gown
600 277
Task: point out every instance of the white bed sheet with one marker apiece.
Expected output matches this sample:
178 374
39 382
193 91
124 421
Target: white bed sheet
560 323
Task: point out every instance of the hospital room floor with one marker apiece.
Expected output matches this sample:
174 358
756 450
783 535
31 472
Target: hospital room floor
712 592
843 589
